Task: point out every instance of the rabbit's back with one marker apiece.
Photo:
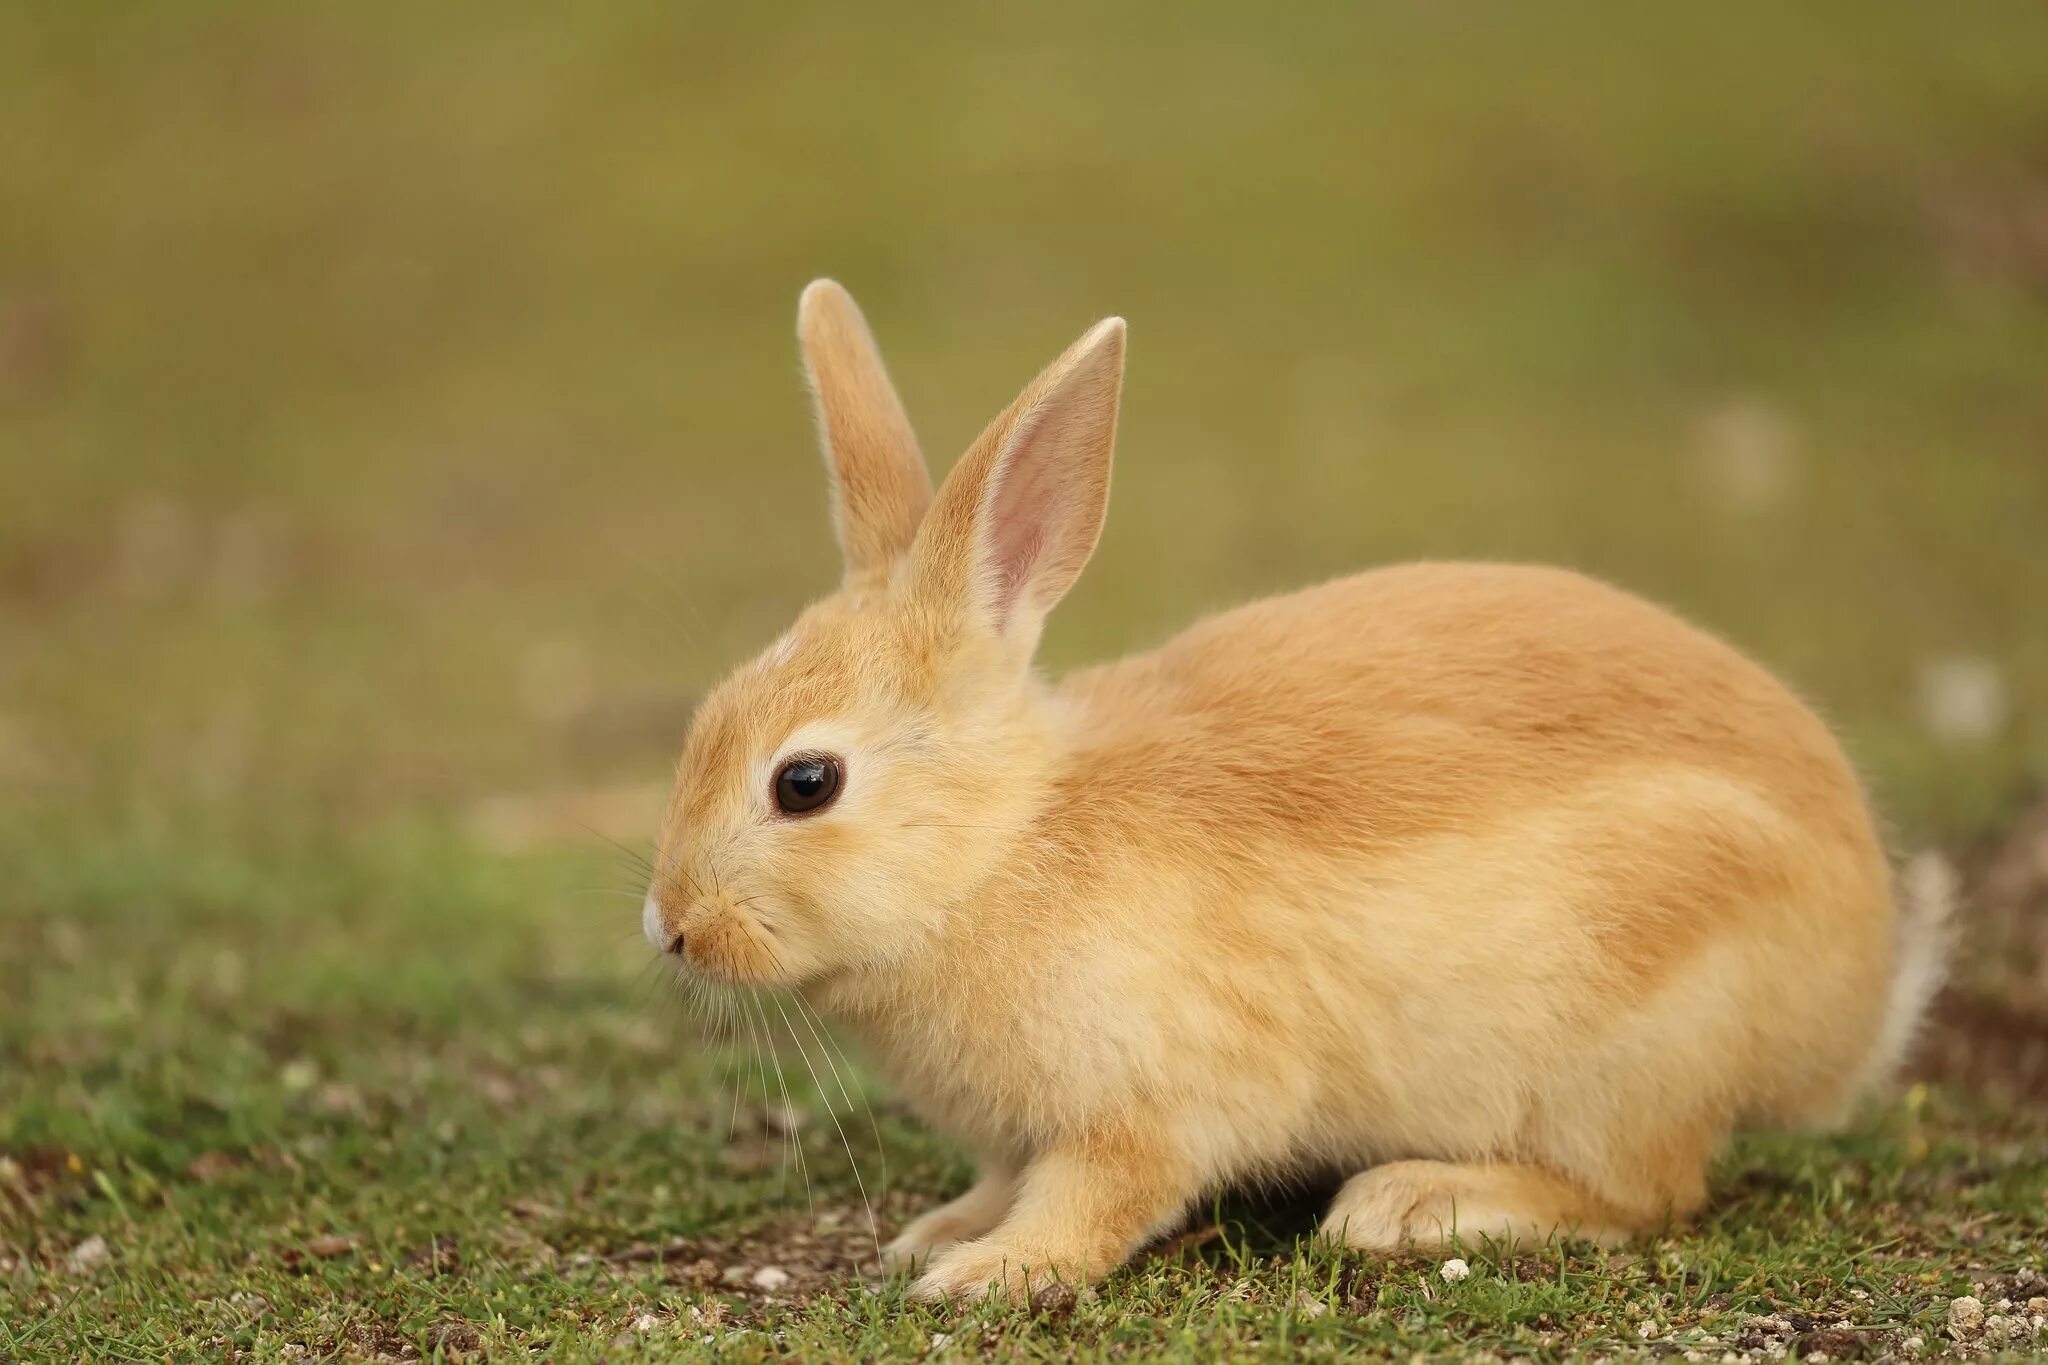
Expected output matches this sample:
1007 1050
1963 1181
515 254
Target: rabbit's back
1427 697
1439 775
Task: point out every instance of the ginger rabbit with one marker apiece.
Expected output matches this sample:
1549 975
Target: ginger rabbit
1501 889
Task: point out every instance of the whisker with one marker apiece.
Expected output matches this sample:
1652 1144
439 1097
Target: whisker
874 1233
635 854
728 1006
828 1045
653 974
763 1044
789 1112
745 1000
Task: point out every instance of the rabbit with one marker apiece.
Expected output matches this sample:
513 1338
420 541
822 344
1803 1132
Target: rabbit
1501 892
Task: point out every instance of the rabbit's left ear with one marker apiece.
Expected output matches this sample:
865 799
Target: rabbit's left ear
1019 516
880 488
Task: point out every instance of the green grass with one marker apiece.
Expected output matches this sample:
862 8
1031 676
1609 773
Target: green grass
216 1060
399 427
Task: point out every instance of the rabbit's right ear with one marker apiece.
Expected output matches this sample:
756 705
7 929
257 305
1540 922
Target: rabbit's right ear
880 488
1021 511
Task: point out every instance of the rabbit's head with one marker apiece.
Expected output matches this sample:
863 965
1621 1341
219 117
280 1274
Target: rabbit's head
838 793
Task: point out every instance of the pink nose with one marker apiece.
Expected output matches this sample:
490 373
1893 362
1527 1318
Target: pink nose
655 925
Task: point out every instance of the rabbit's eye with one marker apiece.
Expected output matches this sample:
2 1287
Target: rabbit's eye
807 783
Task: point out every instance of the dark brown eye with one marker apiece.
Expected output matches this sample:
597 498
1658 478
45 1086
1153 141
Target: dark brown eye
807 783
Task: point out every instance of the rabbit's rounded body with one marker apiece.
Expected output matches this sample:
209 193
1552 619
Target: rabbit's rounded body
1496 885
1471 862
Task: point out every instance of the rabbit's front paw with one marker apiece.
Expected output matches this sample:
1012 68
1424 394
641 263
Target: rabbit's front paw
1080 1207
933 1233
969 1270
971 1215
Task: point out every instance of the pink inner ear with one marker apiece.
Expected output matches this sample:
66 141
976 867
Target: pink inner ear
1026 515
1046 487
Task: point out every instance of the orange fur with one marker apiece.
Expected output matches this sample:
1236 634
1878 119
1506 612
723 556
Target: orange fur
1494 883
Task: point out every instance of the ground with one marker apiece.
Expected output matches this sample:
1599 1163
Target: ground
400 428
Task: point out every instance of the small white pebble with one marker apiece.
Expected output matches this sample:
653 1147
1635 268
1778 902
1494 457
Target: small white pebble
1913 1345
89 1253
1308 1306
1965 1317
646 1322
939 1340
1647 1328
1455 1269
771 1277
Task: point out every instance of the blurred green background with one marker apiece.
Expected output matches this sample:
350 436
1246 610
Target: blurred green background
398 404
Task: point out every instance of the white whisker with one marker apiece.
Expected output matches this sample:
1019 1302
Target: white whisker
825 1041
874 1233
789 1112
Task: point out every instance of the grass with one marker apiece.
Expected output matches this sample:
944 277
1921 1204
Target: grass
399 427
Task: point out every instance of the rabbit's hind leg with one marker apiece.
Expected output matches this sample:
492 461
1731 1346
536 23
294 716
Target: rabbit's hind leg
1424 1203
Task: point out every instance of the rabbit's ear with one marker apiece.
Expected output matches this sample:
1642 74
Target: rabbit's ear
1018 518
880 488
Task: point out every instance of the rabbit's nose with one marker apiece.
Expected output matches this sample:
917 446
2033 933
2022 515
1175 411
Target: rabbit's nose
655 925
657 932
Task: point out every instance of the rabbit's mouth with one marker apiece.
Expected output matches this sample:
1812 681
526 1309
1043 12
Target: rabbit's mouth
717 937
